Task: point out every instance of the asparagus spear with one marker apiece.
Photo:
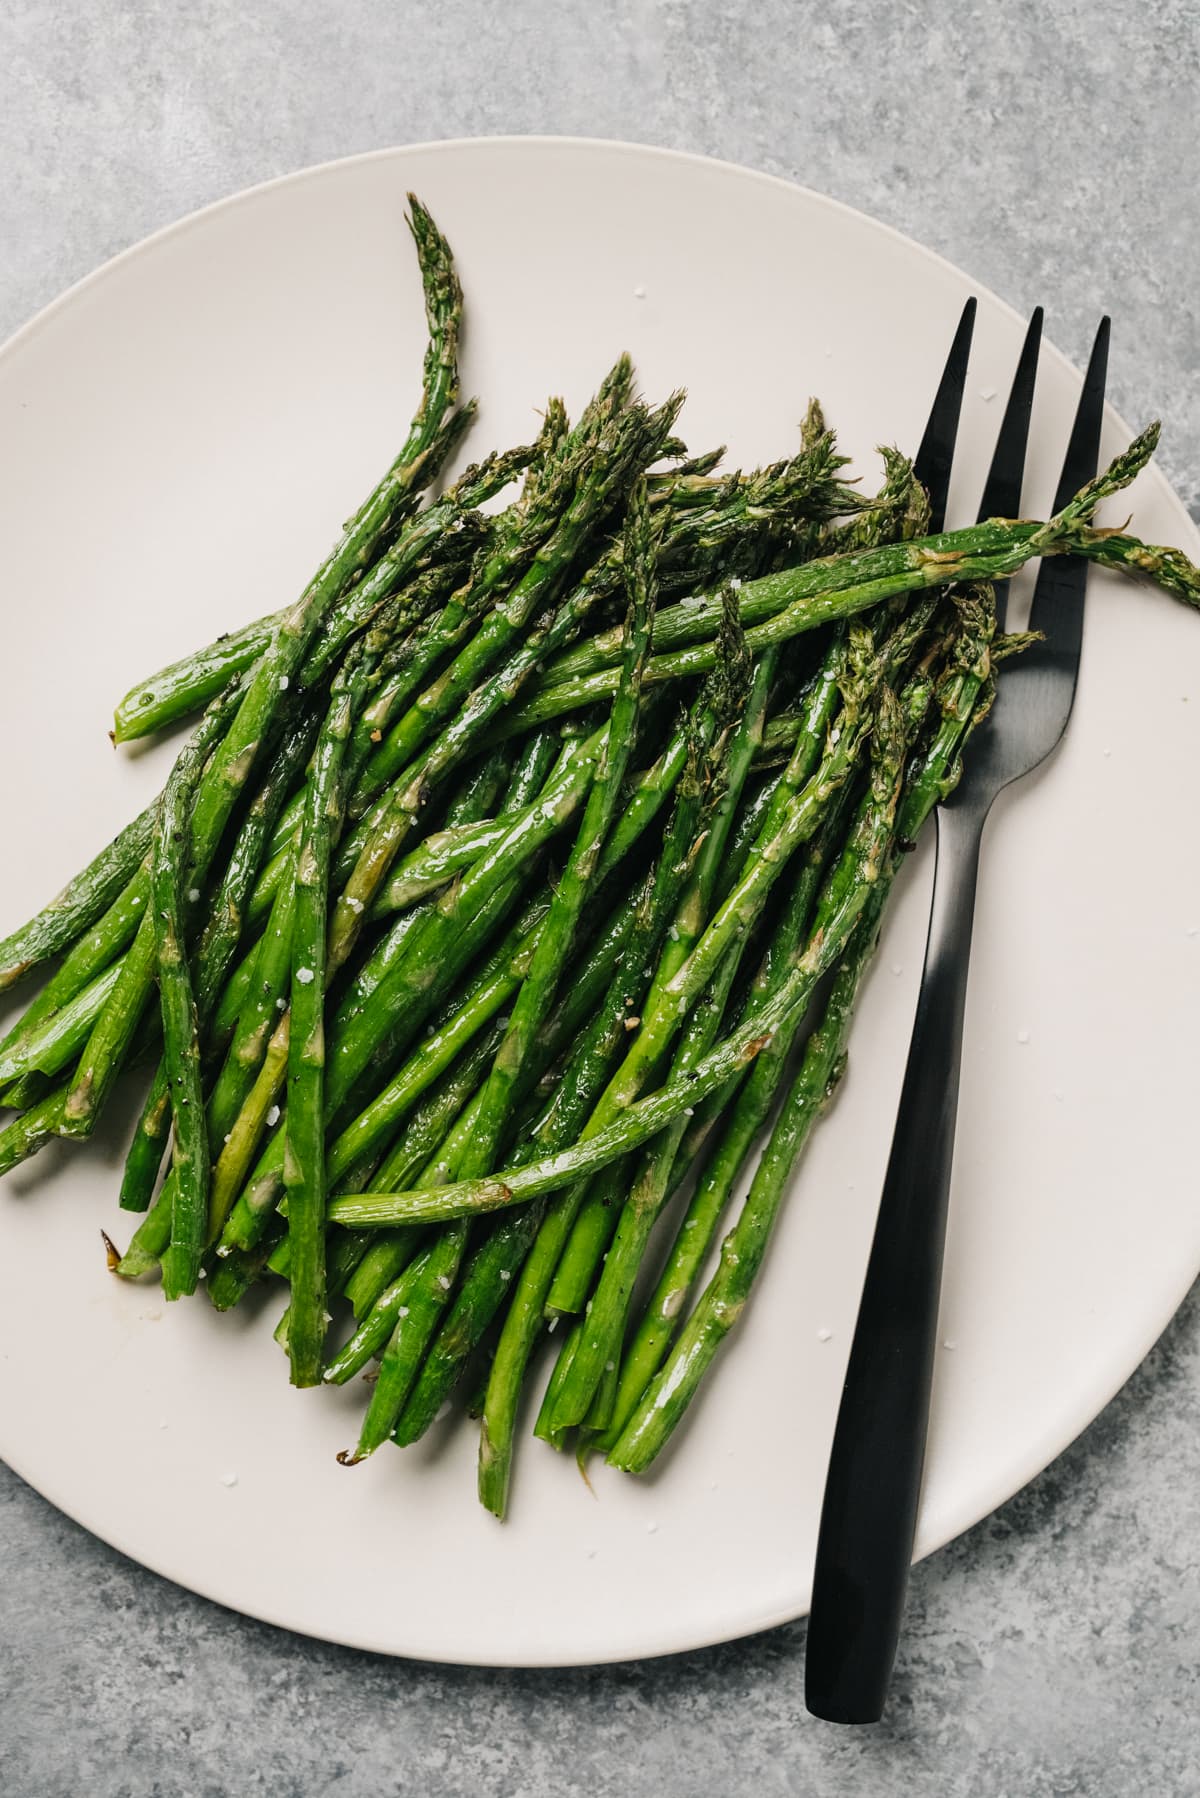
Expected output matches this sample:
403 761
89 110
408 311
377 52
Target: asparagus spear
181 1033
599 1343
48 1047
499 979
401 1319
659 1411
424 449
556 938
900 512
817 593
694 1235
393 1030
593 1222
492 1267
367 1261
644 1117
304 1154
80 903
582 1080
237 754
612 445
428 1137
213 956
644 1432
91 955
591 467
751 1104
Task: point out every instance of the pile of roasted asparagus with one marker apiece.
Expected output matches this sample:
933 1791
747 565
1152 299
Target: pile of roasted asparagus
513 881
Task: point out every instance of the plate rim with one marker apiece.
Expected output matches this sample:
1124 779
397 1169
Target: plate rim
1039 1454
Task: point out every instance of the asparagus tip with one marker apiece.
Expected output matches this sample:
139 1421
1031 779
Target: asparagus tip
111 1252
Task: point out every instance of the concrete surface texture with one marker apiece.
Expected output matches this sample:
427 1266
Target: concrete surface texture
1049 150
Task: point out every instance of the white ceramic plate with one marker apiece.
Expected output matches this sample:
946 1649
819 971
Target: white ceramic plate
180 436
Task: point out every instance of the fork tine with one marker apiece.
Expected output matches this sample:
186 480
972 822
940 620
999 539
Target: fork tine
1002 489
1058 597
933 460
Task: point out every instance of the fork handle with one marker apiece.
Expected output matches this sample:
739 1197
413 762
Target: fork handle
868 1518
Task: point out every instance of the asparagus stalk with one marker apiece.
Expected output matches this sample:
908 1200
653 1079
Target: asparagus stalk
583 1078
430 1135
304 1153
51 1046
217 947
656 1416
751 1105
226 777
599 1343
484 1284
557 936
594 464
593 1224
694 1236
403 1316
181 1032
387 1251
82 901
647 1116
644 1430
613 444
817 593
433 434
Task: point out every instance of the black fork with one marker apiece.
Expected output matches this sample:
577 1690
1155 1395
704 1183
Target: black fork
868 1518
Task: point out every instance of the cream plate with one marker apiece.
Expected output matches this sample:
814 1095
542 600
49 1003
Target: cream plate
181 435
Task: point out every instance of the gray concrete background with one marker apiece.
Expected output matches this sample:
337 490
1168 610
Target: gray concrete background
1051 151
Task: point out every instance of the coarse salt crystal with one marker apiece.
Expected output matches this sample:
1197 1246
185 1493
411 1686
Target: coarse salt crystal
284 683
639 293
651 1529
194 894
229 1479
824 1335
273 1117
355 905
1022 1035
987 393
444 1282
505 1274
402 1311
304 976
